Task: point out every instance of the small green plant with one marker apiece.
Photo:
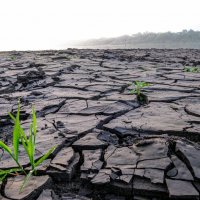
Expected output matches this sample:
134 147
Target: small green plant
29 145
191 69
14 151
138 85
13 57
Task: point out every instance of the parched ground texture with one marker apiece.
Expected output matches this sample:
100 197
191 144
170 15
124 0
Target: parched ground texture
109 147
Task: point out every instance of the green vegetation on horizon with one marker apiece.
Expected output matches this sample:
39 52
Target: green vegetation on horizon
184 39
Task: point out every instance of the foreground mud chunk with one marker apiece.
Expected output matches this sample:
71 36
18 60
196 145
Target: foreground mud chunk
166 95
151 148
71 93
162 163
143 168
108 137
155 175
91 160
193 109
181 189
145 188
122 157
64 156
125 175
70 196
155 118
89 142
76 124
102 177
120 188
32 190
47 195
63 166
152 155
106 109
116 96
191 155
30 76
182 172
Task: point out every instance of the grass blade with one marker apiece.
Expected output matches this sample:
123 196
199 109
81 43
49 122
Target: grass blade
45 156
16 134
12 117
22 134
34 122
6 148
2 177
27 178
9 171
24 145
31 147
4 173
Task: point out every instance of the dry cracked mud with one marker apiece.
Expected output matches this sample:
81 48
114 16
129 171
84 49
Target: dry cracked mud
109 146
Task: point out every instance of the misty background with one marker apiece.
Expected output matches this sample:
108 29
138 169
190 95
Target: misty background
60 24
185 39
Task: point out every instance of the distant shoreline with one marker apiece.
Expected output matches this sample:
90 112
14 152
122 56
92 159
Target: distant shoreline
168 40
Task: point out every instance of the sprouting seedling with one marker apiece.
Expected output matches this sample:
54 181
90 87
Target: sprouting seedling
191 69
13 57
29 145
138 86
14 151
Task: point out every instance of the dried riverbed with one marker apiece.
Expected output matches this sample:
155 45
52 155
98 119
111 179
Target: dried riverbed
109 147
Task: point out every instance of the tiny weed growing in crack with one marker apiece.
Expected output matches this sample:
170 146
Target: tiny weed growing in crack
191 69
138 85
13 57
29 145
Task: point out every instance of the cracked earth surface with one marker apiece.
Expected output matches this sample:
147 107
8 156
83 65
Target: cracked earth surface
109 147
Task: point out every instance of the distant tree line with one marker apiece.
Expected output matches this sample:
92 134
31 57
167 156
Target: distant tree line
184 39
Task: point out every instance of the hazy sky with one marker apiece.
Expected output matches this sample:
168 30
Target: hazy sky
49 24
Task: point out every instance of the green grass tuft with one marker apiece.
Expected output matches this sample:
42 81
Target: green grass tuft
191 69
29 145
138 86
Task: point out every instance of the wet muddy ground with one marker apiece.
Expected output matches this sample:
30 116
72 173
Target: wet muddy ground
109 146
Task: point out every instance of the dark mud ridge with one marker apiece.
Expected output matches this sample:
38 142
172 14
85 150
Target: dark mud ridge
109 147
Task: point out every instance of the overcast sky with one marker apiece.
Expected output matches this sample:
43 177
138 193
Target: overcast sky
50 24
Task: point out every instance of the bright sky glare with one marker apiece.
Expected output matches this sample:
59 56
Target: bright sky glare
53 24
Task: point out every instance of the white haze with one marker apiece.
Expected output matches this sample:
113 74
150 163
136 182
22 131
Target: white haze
54 24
